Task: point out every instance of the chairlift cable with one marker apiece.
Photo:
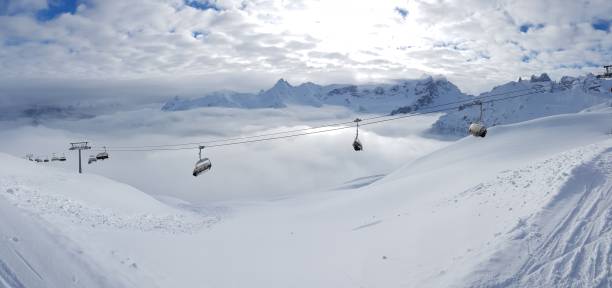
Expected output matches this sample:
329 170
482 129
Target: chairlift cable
466 101
145 149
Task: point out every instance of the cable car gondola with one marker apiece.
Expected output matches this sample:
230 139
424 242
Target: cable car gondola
478 129
202 165
102 155
356 143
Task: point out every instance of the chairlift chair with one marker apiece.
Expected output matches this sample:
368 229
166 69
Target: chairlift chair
46 159
54 158
92 159
478 129
102 155
356 143
62 158
202 165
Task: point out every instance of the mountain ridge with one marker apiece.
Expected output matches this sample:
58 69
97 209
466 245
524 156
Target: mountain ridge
372 98
524 100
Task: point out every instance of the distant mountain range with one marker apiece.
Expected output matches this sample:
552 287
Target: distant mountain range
372 98
569 95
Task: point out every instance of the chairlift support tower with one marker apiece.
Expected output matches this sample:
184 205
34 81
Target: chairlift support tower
608 73
79 146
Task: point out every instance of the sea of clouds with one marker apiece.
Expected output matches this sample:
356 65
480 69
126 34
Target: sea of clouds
262 170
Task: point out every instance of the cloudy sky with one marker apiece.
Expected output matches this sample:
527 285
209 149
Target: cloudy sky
161 47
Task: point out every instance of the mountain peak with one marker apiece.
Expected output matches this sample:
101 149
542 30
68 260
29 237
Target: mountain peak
543 78
282 83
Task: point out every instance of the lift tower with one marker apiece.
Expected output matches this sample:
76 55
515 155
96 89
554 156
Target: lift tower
608 73
79 146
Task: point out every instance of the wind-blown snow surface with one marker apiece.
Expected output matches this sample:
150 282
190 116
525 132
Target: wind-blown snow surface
527 206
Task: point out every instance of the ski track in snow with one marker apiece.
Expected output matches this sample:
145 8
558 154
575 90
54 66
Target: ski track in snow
569 243
525 185
54 206
8 277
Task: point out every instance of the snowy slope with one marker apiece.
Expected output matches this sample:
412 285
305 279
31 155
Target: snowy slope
527 206
378 98
569 95
566 244
30 254
36 254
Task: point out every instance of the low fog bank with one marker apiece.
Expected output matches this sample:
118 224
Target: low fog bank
257 170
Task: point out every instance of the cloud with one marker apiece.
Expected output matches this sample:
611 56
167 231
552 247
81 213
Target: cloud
111 40
266 169
22 6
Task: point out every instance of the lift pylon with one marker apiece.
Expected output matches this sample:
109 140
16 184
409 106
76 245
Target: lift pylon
79 146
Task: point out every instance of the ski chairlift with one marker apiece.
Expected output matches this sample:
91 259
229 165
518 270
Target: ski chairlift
202 165
54 158
46 159
92 159
62 158
478 129
356 143
38 160
102 155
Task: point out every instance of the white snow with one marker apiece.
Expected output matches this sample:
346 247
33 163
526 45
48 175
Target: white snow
528 206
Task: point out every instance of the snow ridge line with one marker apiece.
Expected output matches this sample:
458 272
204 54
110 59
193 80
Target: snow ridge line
58 207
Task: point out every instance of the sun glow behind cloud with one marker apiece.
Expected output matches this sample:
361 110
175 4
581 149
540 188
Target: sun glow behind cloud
476 44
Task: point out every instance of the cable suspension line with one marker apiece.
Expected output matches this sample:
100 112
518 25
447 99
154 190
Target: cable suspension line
172 147
175 147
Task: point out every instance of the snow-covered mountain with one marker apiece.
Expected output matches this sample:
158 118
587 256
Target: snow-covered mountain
374 98
535 98
533 211
527 99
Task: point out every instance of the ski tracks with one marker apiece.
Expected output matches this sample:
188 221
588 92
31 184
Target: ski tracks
568 243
